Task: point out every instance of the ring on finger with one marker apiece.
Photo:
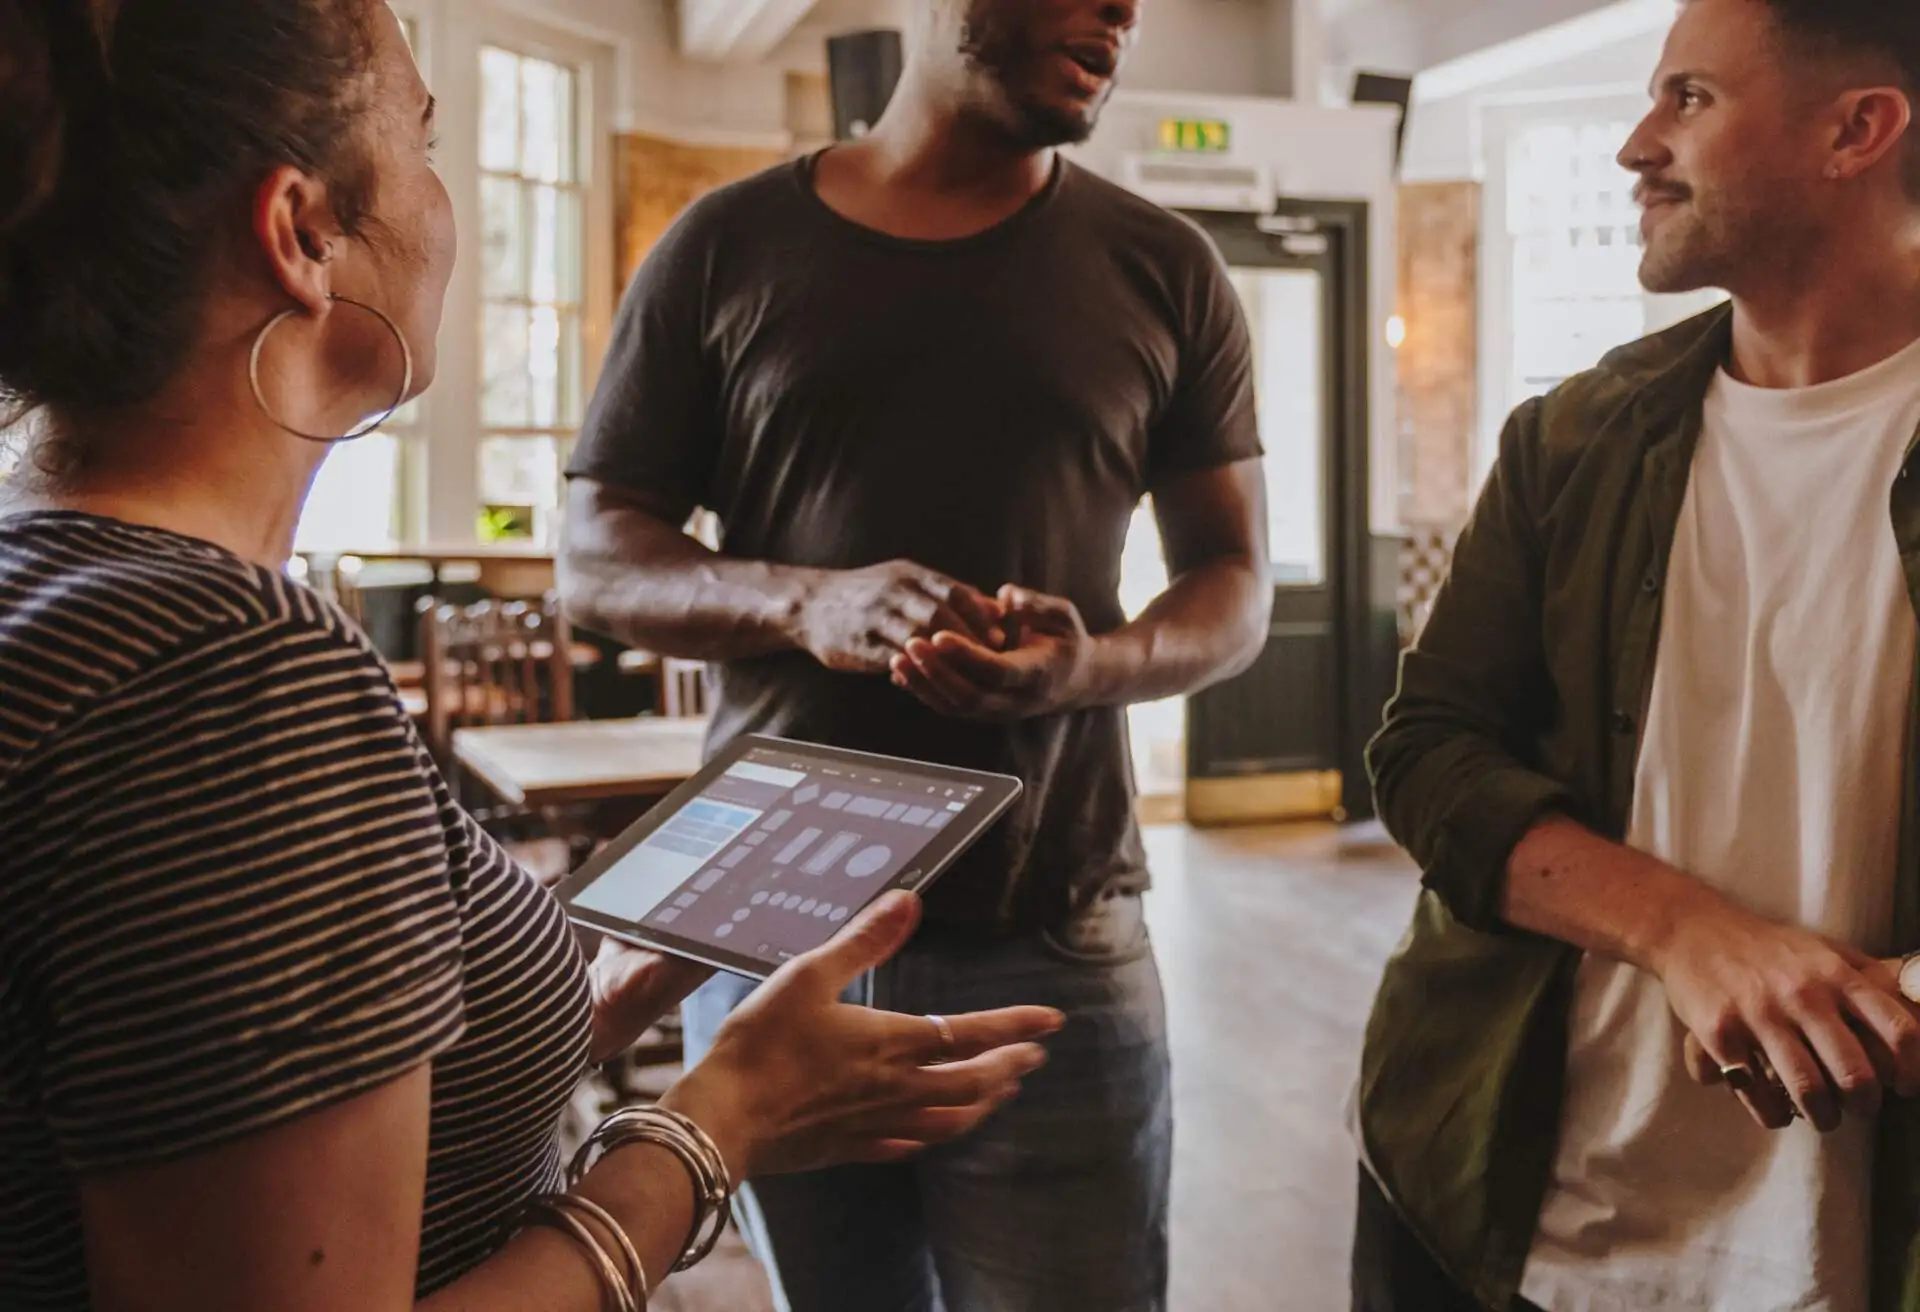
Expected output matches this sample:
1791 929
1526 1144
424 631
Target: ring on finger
947 1045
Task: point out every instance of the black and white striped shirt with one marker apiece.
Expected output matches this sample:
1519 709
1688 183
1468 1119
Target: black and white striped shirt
234 889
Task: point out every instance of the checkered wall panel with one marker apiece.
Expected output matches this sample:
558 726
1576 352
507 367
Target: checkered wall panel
1425 557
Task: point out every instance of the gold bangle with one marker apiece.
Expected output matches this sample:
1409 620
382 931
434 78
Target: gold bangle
543 1211
698 1156
637 1286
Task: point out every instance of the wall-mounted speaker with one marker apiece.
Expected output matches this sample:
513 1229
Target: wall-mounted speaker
863 68
1386 89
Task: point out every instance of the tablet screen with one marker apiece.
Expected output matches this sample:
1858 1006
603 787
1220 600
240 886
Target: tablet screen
769 856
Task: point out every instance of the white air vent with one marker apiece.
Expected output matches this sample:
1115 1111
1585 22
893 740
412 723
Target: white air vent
1199 184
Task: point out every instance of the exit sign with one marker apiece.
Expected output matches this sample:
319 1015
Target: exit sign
1203 136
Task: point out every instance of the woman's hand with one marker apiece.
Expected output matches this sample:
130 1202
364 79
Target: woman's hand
633 988
798 1079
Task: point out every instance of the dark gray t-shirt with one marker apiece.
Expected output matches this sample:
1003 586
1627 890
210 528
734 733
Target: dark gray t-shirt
993 408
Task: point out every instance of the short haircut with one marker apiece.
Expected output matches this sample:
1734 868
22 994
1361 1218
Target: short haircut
1886 32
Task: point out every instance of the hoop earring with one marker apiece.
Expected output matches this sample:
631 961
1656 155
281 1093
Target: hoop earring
399 397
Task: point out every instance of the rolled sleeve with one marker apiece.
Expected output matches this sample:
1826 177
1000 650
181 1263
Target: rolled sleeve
1452 766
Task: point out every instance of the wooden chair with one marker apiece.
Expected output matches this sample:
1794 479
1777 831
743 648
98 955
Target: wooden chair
683 687
493 663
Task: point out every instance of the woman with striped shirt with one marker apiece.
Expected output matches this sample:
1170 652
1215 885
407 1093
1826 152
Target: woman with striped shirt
280 1027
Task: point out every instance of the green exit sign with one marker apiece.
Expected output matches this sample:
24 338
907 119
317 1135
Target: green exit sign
1201 136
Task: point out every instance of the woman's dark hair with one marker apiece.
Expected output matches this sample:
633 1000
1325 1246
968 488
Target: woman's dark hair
132 133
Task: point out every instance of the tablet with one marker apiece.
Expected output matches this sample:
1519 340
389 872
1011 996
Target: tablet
775 845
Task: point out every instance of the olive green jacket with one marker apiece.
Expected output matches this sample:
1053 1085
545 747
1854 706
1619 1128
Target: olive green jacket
1524 695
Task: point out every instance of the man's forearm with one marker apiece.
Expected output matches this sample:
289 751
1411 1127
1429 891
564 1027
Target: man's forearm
1208 625
688 601
1568 883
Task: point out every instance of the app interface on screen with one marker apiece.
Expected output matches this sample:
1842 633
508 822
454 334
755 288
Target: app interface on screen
774 856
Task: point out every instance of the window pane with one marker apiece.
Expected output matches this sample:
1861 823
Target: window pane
503 237
543 367
570 389
556 247
1284 313
520 471
355 498
545 120
546 244
499 110
504 368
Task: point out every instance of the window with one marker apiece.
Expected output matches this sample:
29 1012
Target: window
532 235
1563 284
1573 232
357 499
355 502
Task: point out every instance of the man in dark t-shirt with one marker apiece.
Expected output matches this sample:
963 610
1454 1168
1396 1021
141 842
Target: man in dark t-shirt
923 380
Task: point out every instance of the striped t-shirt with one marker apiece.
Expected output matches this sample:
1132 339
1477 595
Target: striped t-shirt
234 889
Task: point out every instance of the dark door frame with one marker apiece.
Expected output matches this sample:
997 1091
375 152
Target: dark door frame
1351 551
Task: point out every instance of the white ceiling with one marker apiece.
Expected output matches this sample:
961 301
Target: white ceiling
1409 36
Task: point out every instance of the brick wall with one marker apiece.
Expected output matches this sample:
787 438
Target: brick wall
1438 379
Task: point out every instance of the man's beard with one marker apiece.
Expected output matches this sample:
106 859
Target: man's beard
1685 261
1000 54
1699 248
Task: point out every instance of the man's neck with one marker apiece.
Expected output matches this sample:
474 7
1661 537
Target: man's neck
1829 317
924 145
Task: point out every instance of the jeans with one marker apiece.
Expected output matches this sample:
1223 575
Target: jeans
1058 1203
1392 1270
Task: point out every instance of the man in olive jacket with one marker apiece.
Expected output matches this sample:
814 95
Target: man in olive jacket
1645 1044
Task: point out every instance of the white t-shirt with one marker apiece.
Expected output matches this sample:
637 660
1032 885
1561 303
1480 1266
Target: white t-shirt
1770 767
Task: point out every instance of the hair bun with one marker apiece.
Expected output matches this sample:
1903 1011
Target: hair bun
48 50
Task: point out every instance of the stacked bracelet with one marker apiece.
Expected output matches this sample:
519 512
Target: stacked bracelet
712 1185
563 1212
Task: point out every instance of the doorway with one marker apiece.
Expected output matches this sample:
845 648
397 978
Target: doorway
1285 739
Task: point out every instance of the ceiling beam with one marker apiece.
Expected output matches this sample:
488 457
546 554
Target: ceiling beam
730 31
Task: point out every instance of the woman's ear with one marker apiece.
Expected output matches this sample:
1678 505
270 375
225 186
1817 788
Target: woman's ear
298 235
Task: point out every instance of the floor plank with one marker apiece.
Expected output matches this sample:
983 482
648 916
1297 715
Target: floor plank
1270 942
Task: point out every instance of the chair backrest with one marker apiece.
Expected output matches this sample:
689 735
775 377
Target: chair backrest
683 687
494 662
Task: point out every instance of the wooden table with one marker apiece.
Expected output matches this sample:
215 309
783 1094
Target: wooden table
540 765
506 568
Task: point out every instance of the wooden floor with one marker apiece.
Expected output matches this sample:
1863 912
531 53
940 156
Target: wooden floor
1271 942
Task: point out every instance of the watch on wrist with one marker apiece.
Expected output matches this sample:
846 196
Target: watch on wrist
1910 977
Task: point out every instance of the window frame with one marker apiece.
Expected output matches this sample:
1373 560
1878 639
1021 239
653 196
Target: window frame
449 500
1498 123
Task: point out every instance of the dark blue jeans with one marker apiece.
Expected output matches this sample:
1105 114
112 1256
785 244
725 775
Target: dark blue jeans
1057 1204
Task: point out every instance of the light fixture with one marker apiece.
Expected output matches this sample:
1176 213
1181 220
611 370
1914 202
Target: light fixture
1396 331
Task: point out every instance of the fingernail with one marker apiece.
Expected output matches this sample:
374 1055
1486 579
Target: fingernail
1034 1060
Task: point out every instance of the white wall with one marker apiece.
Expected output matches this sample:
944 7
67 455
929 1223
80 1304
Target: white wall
1231 47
